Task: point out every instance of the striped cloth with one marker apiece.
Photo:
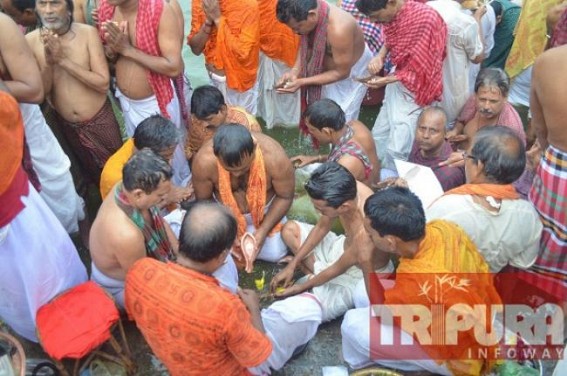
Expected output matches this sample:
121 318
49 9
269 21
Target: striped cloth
347 146
373 35
549 196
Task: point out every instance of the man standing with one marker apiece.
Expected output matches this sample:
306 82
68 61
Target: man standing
252 175
128 225
548 191
488 106
430 147
233 335
334 264
142 36
415 38
352 145
76 80
227 32
332 53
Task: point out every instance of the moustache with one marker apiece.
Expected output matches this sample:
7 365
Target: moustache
486 112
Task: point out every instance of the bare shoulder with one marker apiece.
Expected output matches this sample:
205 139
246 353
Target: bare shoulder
363 192
359 128
8 26
33 38
340 21
204 161
113 228
273 151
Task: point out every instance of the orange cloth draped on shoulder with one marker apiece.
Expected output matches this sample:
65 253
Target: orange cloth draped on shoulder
277 41
447 270
497 191
255 193
112 171
234 45
199 133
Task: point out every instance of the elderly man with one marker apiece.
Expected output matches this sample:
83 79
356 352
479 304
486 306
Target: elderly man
415 37
351 142
208 112
128 225
227 33
505 229
333 263
233 337
332 53
464 47
430 147
37 258
252 175
548 193
73 66
488 106
428 253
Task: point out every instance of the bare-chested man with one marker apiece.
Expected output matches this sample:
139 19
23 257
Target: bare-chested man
332 53
352 143
128 225
326 256
251 174
76 79
143 37
548 194
20 74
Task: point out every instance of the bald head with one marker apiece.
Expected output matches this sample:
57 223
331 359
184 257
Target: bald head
431 129
208 229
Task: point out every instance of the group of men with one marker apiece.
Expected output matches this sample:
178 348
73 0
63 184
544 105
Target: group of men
167 253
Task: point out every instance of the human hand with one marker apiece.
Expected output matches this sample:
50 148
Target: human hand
390 182
283 278
289 291
178 194
377 82
94 15
52 46
376 64
116 36
479 12
533 157
303 160
289 86
212 10
250 299
456 159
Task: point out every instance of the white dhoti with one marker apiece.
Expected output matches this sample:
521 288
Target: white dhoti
274 249
355 331
336 296
394 129
52 167
227 274
275 108
137 110
247 99
349 93
289 324
38 260
114 287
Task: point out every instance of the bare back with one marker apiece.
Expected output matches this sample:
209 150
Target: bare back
345 40
363 138
548 98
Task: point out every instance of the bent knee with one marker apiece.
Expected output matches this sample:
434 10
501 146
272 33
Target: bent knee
291 234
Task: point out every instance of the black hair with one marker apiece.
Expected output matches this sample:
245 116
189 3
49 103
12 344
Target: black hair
157 133
207 230
22 5
493 77
145 170
432 109
296 9
396 211
501 151
370 6
325 113
231 142
498 9
206 101
331 183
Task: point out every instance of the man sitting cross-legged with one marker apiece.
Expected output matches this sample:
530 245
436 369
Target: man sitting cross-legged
334 262
352 144
202 328
128 226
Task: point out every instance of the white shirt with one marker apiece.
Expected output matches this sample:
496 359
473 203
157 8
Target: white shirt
463 45
520 88
488 25
509 236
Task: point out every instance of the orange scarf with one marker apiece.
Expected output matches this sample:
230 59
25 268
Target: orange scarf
497 191
255 193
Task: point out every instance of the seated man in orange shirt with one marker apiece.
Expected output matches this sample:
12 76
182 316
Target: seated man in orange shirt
156 133
234 335
208 112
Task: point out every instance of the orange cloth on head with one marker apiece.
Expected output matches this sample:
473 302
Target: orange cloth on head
444 253
192 325
255 193
112 171
234 45
277 40
11 140
199 133
497 191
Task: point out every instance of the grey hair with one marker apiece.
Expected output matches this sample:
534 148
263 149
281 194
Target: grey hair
493 77
501 151
435 110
